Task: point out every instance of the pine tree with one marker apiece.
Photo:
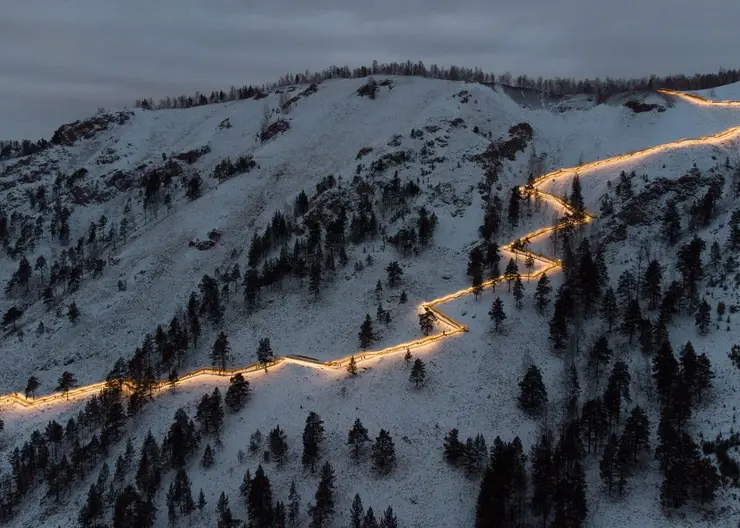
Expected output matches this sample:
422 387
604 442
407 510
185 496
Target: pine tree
394 273
73 313
542 293
383 453
608 463
418 373
426 322
323 508
637 432
518 291
543 478
356 513
632 319
94 507
529 263
599 356
665 372
264 352
238 393
314 278
352 366
278 442
475 270
497 313
389 519
313 436
576 200
609 307
403 298
572 391
533 394
201 501
259 499
453 448
32 386
559 324
66 382
514 207
671 222
511 272
493 258
594 423
369 520
221 351
225 518
357 438
705 480
703 317
207 460
294 506
704 375
366 334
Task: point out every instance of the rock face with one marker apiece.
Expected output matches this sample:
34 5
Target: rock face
67 135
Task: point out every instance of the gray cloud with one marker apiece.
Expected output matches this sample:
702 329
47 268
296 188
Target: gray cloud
61 59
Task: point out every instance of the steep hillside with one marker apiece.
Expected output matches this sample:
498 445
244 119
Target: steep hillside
418 149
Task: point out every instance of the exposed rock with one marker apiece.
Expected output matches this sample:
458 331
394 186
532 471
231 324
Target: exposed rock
278 127
191 156
68 134
363 151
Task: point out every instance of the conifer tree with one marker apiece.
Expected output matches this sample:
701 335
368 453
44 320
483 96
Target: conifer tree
352 366
207 460
599 356
32 386
514 202
383 453
265 353
511 272
66 382
572 391
357 438
356 513
475 270
637 432
238 393
73 313
294 506
314 278
671 222
705 480
559 324
518 291
576 200
369 521
651 284
529 263
493 258
533 394
403 298
323 508
394 273
426 322
497 313
453 448
703 317
418 373
278 442
594 423
259 501
389 519
543 477
221 351
313 436
632 319
366 334
665 372
94 507
225 518
542 293
704 375
609 307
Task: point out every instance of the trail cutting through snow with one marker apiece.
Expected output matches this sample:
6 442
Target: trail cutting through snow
452 327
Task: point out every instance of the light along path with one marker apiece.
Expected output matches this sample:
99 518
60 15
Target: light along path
453 327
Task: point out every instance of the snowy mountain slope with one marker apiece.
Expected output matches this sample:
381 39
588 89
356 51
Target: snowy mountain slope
233 206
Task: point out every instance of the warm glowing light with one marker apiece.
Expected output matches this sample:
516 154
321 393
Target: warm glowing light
453 327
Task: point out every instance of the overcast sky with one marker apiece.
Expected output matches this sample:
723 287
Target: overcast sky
62 59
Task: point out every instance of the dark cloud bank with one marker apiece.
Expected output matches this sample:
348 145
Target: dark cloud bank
61 59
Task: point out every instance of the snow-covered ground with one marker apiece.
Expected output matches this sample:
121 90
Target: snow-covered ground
472 377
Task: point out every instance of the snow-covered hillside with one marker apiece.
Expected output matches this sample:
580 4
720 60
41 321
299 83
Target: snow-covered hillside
433 133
